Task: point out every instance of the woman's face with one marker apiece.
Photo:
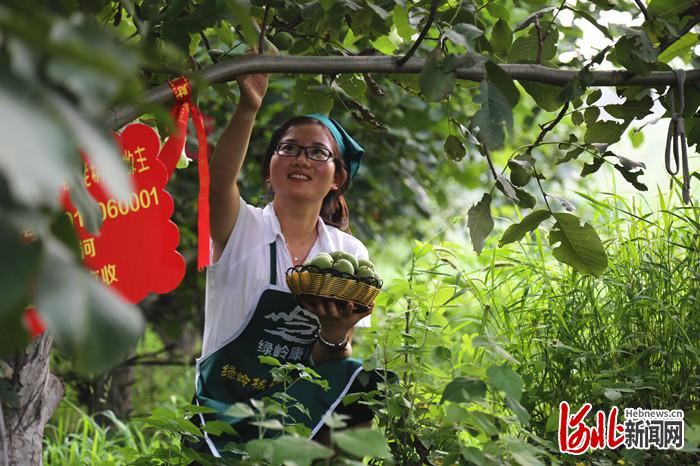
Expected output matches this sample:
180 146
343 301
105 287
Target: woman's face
300 177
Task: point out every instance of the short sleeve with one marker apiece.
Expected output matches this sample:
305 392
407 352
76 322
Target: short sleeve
245 233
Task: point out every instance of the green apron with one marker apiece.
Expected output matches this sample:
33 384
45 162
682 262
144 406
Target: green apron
280 328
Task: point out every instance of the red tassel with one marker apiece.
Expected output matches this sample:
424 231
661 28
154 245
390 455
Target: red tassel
203 200
171 151
33 322
170 154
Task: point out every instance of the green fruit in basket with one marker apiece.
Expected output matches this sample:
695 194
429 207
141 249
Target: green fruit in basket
350 258
365 263
323 261
365 272
344 266
377 276
337 255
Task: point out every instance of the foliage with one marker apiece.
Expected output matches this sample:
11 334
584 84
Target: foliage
64 65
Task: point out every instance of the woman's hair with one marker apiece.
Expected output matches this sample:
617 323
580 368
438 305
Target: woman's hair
334 210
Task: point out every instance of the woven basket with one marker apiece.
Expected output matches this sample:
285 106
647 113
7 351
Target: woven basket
309 279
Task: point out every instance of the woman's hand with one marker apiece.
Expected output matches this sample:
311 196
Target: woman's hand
336 317
253 88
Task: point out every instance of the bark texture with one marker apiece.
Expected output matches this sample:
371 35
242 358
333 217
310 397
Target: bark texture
38 393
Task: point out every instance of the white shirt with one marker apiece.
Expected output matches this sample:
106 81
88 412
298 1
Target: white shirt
236 281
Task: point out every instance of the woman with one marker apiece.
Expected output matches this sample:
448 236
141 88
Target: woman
249 310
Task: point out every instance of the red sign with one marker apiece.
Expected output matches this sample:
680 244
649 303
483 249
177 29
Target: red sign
135 250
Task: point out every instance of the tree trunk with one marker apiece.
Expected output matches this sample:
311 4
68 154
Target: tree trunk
38 393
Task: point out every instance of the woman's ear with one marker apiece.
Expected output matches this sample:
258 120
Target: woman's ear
340 178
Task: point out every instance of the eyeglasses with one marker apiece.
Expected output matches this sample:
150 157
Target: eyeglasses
315 153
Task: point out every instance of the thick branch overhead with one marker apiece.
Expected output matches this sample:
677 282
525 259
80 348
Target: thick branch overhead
228 70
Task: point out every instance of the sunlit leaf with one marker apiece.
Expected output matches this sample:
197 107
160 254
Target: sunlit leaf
577 245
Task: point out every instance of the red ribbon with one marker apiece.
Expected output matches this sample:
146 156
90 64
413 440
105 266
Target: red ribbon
35 326
170 154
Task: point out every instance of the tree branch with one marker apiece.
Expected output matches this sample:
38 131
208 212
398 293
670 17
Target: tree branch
645 12
261 40
225 71
686 29
421 36
549 127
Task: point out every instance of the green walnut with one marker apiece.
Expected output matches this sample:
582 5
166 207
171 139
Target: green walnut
344 266
283 40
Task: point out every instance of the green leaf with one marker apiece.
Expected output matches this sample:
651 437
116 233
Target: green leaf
483 422
403 26
681 46
505 379
288 450
99 147
353 85
363 442
218 428
591 114
585 15
312 96
524 49
606 132
533 17
631 109
436 82
594 96
571 155
520 171
577 118
35 145
241 16
498 10
269 360
520 412
635 51
464 389
501 36
497 98
525 199
87 206
632 177
506 187
669 10
463 34
577 245
20 265
636 137
545 95
503 82
241 410
480 222
455 414
530 222
88 321
454 149
592 167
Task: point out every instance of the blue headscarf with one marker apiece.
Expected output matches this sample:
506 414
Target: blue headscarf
350 150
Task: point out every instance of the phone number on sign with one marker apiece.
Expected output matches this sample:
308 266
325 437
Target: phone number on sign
113 208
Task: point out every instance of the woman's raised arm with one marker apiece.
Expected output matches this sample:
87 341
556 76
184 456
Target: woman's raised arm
227 160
